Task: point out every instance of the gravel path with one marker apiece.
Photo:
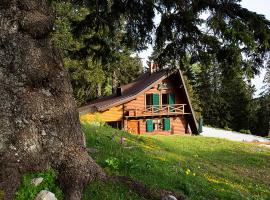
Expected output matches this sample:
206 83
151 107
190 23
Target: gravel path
231 135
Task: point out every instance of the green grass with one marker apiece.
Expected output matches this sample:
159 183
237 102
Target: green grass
28 191
198 167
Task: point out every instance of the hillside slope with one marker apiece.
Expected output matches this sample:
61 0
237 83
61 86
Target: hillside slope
198 167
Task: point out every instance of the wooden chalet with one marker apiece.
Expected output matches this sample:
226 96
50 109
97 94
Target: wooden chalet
155 103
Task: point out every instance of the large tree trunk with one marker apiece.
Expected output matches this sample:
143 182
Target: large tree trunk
39 124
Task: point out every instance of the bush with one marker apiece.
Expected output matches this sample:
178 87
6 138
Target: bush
227 128
28 191
245 131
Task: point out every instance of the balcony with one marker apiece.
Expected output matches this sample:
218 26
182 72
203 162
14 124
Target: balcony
155 110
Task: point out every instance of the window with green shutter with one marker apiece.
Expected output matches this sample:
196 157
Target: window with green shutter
166 124
156 102
149 125
172 101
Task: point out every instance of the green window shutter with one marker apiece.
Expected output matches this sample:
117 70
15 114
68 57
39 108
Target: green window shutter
171 98
156 102
149 125
171 101
166 124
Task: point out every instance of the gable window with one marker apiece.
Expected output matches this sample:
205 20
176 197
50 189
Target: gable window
152 102
169 99
165 99
149 99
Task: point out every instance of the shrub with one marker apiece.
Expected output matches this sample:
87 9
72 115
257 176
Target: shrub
245 131
227 128
112 162
27 191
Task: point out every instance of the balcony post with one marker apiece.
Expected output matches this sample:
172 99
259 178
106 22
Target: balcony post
183 109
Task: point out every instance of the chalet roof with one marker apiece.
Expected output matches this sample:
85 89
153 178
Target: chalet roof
128 92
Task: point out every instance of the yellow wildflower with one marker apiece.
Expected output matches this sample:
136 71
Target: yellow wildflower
187 172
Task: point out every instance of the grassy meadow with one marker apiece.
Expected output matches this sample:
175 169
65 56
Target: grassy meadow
198 167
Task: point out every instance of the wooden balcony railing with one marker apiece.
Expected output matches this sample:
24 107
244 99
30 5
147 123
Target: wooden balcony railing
153 110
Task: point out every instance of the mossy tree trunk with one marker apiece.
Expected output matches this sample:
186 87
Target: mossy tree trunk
39 124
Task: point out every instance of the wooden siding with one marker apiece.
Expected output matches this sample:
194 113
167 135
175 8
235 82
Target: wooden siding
113 114
178 126
140 101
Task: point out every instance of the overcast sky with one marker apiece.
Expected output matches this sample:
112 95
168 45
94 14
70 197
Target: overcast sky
259 6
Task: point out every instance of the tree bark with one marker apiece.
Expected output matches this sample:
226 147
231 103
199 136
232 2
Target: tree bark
39 124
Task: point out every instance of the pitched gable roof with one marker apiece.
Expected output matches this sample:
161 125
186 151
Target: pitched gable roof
132 90
128 92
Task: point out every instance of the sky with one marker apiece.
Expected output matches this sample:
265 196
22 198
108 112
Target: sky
259 6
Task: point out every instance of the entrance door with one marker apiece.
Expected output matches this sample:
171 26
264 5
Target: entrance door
133 126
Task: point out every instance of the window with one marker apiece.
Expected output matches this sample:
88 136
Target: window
152 102
168 98
149 99
165 99
115 124
154 125
158 124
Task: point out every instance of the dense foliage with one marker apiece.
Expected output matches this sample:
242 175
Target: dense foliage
262 112
210 31
95 69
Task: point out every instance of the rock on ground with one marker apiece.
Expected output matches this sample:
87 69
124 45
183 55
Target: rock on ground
45 195
37 181
169 197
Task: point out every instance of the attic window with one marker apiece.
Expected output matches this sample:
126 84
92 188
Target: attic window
149 99
165 100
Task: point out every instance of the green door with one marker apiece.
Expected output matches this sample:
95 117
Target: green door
149 125
166 124
156 102
171 101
